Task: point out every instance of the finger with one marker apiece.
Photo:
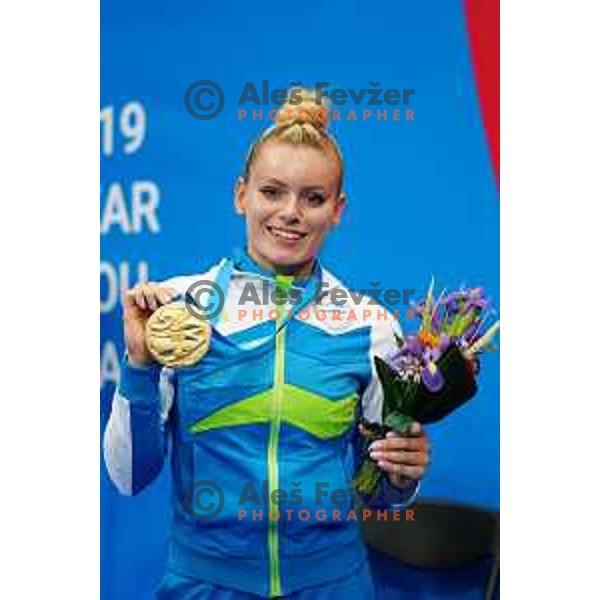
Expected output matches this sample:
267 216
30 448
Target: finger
165 295
162 297
150 295
412 472
138 297
415 430
405 471
418 459
399 443
129 298
171 292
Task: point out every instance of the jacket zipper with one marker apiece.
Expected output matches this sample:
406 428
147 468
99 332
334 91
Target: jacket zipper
279 380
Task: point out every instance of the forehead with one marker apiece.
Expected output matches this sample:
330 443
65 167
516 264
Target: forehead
296 165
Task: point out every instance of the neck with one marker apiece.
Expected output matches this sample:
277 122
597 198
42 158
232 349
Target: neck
300 270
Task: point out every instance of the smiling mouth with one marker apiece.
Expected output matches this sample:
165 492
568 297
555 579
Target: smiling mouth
287 235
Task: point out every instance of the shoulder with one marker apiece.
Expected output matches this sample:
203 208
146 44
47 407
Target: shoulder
362 304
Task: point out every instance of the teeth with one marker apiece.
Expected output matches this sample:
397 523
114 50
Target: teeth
286 235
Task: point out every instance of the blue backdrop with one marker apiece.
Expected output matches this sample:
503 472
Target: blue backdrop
422 199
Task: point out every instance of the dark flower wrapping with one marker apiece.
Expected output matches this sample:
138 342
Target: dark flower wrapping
431 374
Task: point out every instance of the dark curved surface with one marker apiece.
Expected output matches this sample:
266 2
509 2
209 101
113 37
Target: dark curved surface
443 535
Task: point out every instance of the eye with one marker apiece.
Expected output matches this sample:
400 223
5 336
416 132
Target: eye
316 198
271 193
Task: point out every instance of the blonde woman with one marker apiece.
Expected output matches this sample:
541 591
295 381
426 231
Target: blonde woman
261 429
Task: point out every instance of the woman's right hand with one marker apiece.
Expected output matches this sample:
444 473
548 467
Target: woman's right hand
139 303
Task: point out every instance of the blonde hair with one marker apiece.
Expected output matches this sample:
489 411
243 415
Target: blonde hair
302 122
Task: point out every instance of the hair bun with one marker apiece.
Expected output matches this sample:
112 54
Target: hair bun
302 108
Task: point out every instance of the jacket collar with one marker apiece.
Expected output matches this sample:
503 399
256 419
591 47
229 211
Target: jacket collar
242 261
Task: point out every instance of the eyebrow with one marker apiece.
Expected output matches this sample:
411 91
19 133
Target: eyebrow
275 181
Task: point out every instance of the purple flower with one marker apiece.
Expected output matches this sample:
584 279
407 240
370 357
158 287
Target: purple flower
471 330
474 304
452 305
445 341
432 377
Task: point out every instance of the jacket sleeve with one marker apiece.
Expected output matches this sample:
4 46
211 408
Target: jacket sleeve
136 436
382 343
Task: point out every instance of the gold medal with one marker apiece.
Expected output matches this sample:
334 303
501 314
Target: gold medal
176 338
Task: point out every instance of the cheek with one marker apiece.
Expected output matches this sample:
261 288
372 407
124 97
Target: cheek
321 223
255 214
261 211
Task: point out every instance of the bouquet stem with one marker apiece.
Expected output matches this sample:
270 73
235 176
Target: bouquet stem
369 475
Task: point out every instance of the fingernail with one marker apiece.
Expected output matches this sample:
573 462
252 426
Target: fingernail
375 446
376 455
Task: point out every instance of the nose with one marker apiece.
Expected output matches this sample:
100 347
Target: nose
290 209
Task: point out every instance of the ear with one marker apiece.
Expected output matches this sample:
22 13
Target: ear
240 196
340 205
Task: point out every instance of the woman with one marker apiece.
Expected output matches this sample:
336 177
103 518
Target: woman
263 425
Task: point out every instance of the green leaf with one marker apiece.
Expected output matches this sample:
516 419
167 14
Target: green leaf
392 387
368 477
399 340
399 422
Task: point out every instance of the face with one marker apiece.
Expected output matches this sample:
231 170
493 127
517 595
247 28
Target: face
291 200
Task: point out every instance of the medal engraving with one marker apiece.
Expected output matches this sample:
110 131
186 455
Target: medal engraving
175 338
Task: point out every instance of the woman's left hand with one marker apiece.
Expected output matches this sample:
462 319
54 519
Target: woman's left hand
404 458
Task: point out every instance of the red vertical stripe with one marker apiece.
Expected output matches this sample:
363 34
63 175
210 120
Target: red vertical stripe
483 23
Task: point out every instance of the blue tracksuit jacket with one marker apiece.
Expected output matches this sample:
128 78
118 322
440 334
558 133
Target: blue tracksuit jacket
261 434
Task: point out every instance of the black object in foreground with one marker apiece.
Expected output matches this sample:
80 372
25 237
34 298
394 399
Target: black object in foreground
407 400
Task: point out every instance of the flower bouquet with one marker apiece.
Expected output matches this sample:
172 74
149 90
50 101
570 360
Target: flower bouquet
431 373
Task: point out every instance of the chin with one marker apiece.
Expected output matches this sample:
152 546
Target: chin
286 259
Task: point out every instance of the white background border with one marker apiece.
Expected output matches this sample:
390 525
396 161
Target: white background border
549 272
49 318
49 528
